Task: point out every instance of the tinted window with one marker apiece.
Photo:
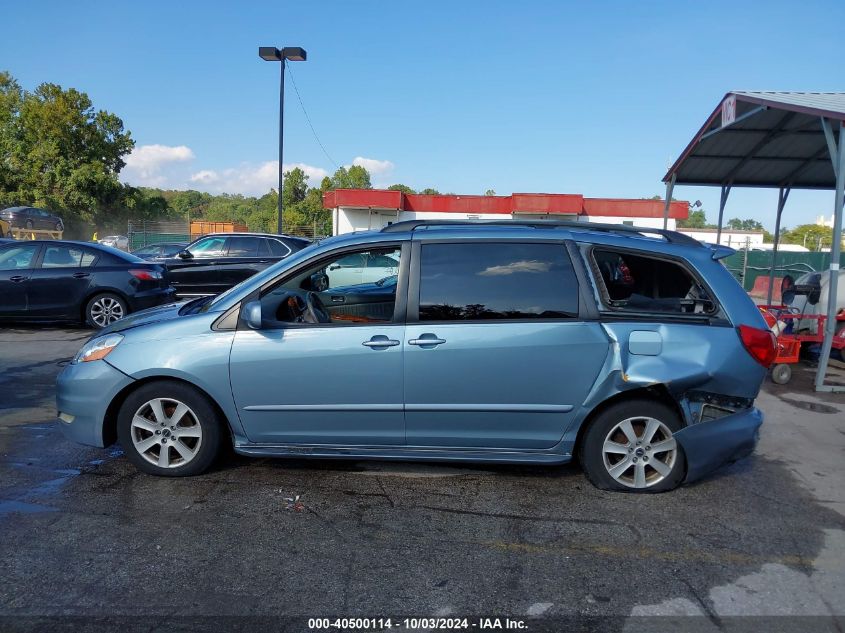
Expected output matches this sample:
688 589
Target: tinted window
277 248
14 257
350 261
243 247
208 247
496 281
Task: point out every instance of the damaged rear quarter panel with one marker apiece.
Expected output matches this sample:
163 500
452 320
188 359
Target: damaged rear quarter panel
692 358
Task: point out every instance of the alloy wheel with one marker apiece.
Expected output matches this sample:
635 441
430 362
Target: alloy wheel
106 310
166 432
639 452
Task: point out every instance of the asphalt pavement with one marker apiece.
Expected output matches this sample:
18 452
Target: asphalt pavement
85 534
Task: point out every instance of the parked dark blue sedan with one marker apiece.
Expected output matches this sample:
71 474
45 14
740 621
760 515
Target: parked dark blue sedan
52 280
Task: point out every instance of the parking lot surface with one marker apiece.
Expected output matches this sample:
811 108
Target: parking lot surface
84 533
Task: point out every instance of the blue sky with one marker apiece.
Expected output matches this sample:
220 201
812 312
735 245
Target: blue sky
573 97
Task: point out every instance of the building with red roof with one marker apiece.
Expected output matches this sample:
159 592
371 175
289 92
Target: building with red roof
367 209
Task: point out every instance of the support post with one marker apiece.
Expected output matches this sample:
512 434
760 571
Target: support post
838 158
281 142
670 187
723 199
783 194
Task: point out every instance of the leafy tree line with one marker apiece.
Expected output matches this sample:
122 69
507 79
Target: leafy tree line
813 236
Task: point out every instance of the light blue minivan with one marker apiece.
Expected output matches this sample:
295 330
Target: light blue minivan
633 350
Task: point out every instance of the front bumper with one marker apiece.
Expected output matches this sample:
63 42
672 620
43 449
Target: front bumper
708 445
83 394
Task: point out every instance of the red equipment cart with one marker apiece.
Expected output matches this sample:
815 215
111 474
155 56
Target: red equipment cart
789 343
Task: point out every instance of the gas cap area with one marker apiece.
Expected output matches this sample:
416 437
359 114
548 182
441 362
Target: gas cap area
645 343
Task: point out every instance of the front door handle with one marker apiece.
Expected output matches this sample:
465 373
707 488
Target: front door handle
380 341
18 278
81 275
426 339
338 299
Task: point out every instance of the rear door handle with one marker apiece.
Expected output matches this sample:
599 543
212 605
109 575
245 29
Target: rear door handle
18 278
338 299
427 339
81 275
380 341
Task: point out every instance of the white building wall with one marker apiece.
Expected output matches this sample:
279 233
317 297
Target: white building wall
734 239
651 223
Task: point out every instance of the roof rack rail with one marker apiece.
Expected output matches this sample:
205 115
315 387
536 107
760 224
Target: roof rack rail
673 237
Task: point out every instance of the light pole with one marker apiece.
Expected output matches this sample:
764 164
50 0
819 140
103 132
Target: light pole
273 54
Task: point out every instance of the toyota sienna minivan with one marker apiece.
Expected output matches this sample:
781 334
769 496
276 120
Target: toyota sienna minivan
631 350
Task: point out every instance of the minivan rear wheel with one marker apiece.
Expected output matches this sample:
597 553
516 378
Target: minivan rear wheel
630 447
170 429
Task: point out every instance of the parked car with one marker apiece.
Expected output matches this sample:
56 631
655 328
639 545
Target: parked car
498 343
162 250
53 280
120 242
32 218
214 263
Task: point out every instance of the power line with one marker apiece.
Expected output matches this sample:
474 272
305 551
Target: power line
307 118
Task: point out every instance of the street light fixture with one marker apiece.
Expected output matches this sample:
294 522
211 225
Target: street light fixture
273 54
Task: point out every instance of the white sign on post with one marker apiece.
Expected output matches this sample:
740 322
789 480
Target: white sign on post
729 110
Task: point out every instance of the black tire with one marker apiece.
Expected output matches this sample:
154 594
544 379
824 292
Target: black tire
101 308
201 411
781 373
597 467
29 225
60 226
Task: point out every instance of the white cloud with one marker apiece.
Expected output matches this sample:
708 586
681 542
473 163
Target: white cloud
251 179
171 167
377 168
524 266
145 163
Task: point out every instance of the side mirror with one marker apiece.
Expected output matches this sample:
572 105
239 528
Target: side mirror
319 282
251 314
184 254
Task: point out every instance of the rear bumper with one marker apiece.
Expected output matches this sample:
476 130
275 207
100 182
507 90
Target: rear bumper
151 298
708 445
83 394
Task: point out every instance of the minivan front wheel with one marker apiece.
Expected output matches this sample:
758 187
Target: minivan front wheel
169 428
630 446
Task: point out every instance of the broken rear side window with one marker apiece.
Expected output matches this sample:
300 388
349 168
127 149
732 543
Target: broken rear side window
639 283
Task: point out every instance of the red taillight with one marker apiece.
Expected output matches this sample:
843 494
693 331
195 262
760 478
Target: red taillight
761 344
145 275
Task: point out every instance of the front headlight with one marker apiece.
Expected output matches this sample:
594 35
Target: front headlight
97 348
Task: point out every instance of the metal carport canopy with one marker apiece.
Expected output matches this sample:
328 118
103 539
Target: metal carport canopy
783 140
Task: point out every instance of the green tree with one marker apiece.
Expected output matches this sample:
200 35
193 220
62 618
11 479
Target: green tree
490 192
428 191
402 188
697 219
295 187
744 225
809 235
356 177
59 152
